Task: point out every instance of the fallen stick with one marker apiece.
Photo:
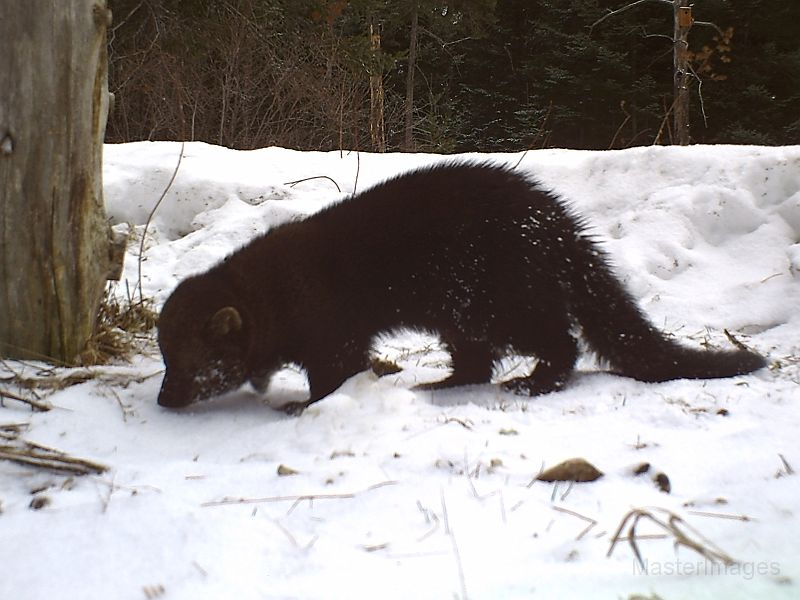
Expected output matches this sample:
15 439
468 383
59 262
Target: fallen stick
36 455
295 499
41 406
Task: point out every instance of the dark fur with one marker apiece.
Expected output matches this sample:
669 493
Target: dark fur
478 254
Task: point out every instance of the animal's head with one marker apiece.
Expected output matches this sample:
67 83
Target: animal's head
204 341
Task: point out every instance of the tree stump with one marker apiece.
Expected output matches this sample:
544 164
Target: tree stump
54 239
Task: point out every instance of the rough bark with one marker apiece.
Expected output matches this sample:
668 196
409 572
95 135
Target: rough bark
54 240
377 128
683 23
408 109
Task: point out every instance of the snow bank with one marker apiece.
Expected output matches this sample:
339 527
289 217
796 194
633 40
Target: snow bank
406 494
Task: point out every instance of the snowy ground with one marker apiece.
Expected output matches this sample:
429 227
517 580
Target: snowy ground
395 493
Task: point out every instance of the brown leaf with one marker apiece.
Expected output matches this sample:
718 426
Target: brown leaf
574 469
284 471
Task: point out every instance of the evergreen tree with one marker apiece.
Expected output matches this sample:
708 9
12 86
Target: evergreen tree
756 101
541 79
487 74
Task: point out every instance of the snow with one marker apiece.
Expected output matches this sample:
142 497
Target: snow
398 493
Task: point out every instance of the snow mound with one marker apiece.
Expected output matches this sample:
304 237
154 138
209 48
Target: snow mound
383 491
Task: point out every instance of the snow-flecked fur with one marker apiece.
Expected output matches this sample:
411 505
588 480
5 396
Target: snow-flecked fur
476 253
620 334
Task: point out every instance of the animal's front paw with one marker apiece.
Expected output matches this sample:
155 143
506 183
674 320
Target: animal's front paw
260 383
527 386
442 384
294 409
384 367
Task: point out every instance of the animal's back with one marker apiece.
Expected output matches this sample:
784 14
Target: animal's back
440 247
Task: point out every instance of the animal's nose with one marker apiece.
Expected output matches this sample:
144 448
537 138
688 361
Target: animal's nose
174 393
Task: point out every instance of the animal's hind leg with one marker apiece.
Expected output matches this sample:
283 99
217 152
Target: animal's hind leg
557 351
471 363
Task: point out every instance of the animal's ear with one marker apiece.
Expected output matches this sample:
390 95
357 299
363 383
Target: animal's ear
226 320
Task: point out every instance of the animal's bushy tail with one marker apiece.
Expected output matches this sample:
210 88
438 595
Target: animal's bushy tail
620 334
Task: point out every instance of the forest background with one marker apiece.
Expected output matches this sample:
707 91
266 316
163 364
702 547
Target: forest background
449 76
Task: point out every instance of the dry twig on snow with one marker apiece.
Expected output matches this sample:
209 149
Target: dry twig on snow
36 455
682 533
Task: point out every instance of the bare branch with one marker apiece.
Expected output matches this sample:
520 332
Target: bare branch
712 25
293 183
125 19
443 42
699 94
623 9
624 122
659 35
150 218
